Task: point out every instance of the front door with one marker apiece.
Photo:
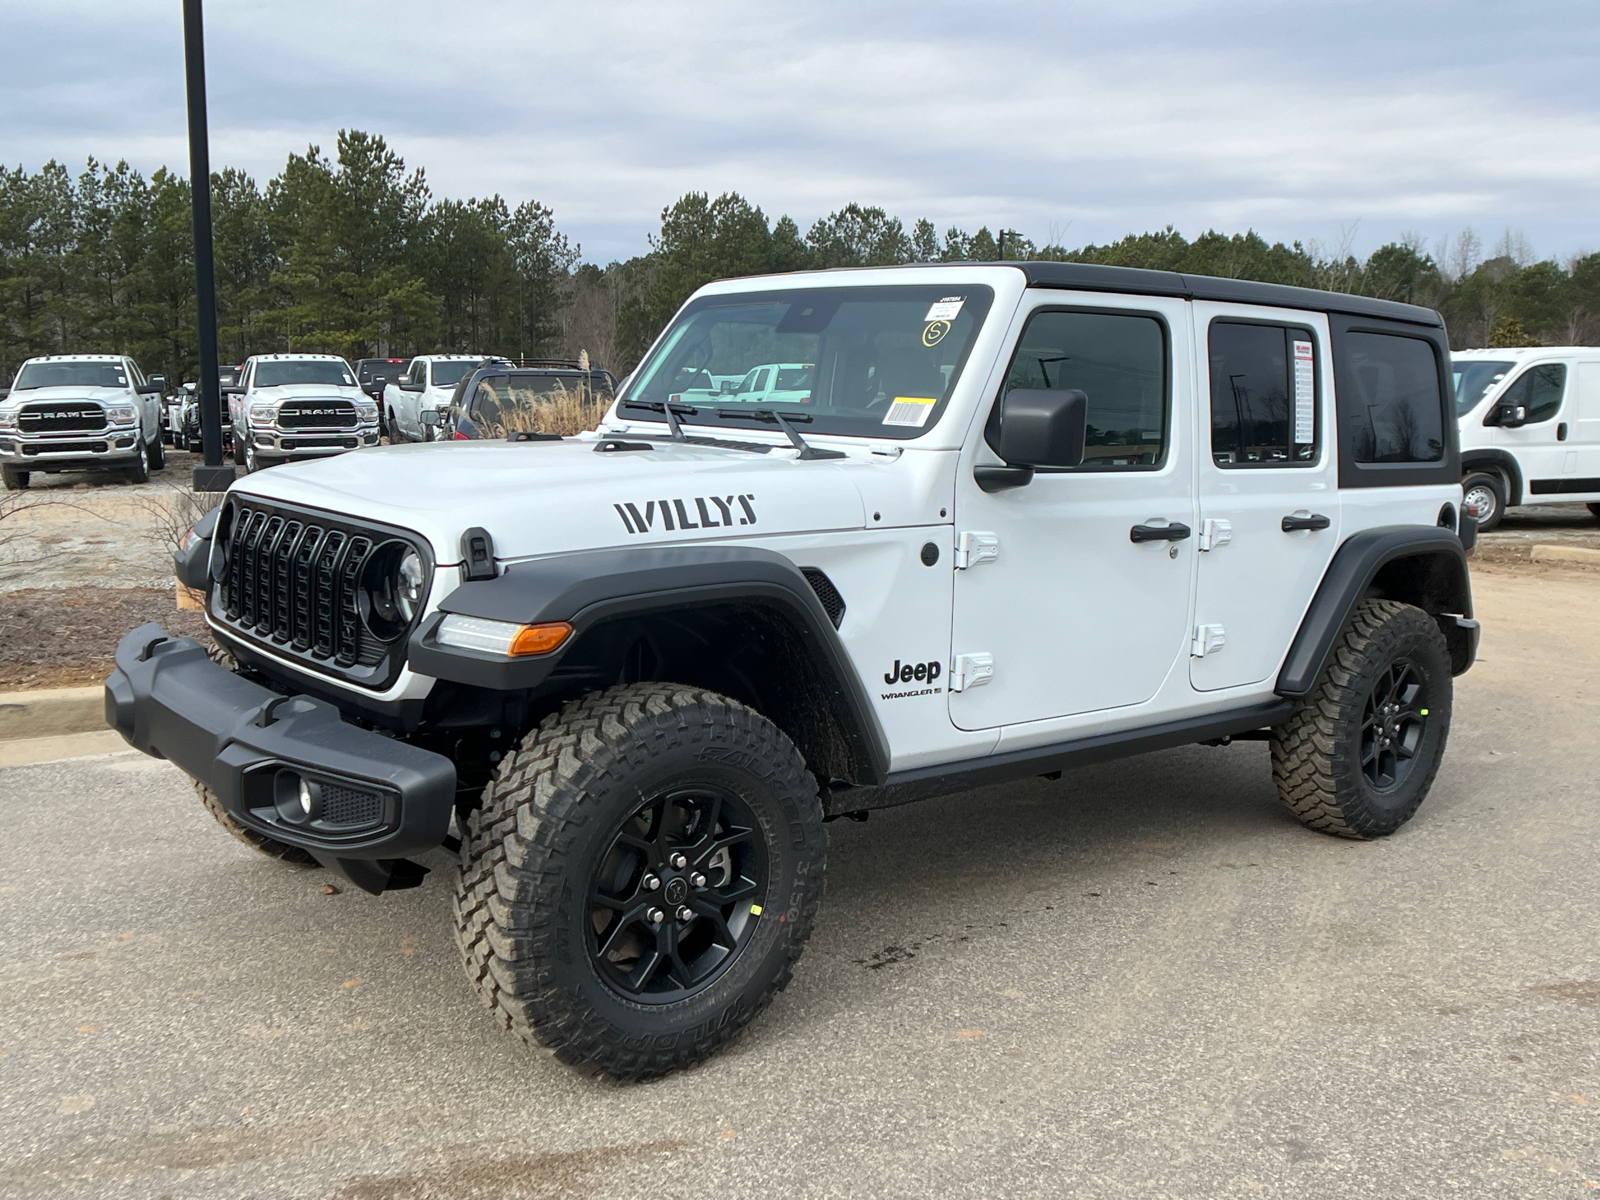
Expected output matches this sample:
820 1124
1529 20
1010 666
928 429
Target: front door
1059 610
1539 444
1269 499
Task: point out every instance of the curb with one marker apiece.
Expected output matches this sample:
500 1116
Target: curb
51 712
1548 552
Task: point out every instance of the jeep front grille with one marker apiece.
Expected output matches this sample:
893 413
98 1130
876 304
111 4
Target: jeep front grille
291 583
73 417
317 414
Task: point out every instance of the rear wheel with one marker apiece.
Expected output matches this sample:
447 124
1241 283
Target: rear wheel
641 877
16 480
1359 753
1483 497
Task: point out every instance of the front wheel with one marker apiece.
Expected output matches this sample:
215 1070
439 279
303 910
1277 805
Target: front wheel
158 455
139 472
1359 753
1483 497
641 878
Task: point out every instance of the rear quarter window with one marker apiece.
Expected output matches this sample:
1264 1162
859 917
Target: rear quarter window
1395 402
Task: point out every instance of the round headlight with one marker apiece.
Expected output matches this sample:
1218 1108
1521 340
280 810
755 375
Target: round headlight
408 585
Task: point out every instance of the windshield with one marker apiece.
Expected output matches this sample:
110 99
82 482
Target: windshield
71 374
448 374
867 361
539 402
1473 381
277 374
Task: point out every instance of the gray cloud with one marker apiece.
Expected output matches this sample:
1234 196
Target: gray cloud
1314 119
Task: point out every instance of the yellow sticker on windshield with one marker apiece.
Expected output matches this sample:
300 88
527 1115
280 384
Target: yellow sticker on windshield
910 410
934 333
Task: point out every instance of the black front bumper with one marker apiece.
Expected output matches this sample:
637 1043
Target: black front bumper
376 799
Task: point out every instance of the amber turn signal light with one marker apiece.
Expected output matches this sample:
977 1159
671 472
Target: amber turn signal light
539 639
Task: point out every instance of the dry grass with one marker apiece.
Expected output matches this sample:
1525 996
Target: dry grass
557 409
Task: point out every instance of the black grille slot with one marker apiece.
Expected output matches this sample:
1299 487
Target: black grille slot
61 418
65 446
350 806
317 414
293 584
832 602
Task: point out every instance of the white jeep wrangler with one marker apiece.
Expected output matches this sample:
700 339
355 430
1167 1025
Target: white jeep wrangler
1024 517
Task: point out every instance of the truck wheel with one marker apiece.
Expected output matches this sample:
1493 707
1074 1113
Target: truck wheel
1358 754
1483 496
139 472
15 480
1594 510
271 847
641 877
158 455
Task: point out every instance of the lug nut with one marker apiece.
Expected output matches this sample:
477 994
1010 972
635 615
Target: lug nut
697 879
651 883
679 861
686 913
656 916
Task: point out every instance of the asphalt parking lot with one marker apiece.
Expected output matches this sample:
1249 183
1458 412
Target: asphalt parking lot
1142 980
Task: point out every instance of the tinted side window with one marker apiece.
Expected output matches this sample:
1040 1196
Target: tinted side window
1118 360
1539 391
1263 395
1389 407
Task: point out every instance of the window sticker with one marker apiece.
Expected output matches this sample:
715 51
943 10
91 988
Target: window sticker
1305 394
910 410
946 309
934 333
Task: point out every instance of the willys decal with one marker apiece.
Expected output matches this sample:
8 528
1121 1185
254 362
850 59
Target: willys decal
697 512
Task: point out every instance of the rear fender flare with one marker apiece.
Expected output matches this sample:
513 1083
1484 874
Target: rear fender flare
1420 565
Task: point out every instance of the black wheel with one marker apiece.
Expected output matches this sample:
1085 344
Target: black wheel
15 480
1483 496
258 842
391 429
139 472
158 455
1360 752
1594 511
641 877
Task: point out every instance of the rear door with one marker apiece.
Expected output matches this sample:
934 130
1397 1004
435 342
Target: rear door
1268 487
1585 435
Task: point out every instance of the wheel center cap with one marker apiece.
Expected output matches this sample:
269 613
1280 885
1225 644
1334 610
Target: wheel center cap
677 891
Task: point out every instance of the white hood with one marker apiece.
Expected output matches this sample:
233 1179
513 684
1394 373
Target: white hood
307 391
538 498
56 395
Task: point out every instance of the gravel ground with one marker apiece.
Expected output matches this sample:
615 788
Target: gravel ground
1143 980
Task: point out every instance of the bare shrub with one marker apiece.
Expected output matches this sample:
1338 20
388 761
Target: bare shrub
174 512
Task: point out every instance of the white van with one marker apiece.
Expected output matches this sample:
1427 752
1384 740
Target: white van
1530 428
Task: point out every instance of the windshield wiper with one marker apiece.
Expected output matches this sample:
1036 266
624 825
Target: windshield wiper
669 410
772 416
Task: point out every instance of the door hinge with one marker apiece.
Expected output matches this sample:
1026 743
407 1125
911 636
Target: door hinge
971 670
1215 534
1208 639
974 548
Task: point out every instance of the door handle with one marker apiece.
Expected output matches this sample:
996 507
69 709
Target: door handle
1561 432
1295 522
1174 532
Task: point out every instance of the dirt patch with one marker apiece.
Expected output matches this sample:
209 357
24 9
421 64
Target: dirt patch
56 637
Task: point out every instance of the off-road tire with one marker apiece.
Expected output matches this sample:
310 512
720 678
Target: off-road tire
258 842
15 480
1495 487
546 820
1316 754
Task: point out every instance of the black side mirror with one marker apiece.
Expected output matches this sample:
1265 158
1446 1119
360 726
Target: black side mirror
407 385
429 416
1040 429
233 389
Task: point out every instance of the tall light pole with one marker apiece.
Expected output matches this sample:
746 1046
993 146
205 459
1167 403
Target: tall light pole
213 476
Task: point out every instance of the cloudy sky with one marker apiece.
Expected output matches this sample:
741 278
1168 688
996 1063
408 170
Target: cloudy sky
1344 122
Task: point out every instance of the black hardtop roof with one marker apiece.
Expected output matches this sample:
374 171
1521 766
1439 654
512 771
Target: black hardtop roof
1091 277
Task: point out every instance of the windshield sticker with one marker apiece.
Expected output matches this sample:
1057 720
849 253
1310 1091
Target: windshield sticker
910 410
1305 395
697 512
934 333
947 309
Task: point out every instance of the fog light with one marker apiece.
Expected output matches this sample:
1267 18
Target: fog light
298 800
306 797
